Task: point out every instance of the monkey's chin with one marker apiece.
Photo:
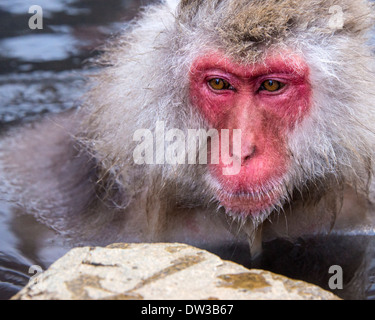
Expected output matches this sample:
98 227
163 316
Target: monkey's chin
254 206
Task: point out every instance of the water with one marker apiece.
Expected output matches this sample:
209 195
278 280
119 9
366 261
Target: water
43 71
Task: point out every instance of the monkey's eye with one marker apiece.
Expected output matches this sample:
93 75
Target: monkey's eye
272 85
219 84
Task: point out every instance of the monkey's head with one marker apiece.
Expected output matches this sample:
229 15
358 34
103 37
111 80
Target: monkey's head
294 77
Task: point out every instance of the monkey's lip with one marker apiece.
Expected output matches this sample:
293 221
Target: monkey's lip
249 203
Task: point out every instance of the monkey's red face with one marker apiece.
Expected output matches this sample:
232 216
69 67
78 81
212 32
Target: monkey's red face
265 101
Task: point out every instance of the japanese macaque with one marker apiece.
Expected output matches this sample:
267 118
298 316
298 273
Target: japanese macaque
281 91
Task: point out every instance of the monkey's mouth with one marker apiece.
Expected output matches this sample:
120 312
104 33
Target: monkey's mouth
251 203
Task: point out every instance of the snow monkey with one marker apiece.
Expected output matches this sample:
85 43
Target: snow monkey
211 123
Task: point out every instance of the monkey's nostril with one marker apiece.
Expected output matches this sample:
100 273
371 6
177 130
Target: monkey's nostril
249 154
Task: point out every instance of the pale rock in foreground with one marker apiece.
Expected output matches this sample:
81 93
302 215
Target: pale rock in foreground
160 271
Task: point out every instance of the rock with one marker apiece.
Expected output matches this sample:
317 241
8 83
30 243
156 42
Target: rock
160 271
